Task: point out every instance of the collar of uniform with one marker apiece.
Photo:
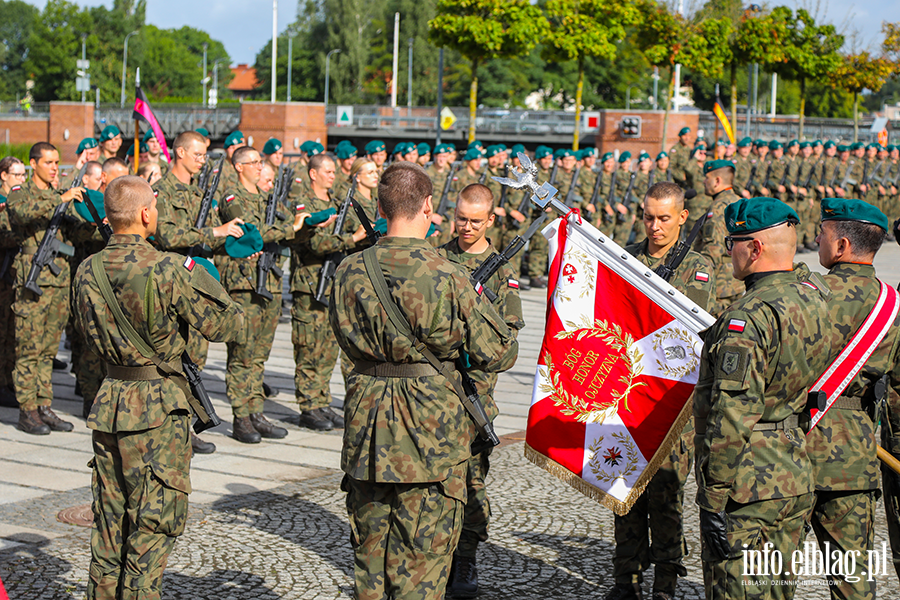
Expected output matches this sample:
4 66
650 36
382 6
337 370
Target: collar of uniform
850 268
124 239
452 247
772 277
719 193
403 242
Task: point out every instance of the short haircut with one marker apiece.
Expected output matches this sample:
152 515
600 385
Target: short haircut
93 168
124 198
402 190
7 163
865 238
185 138
114 163
145 168
358 164
240 155
477 193
665 190
37 151
316 162
726 173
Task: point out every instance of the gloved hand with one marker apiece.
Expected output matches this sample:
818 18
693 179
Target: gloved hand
714 531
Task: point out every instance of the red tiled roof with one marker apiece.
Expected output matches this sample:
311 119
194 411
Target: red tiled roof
244 79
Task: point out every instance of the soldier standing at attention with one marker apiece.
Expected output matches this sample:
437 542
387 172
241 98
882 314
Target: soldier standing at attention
408 437
141 417
846 489
228 178
87 151
377 151
110 142
680 155
743 165
273 152
424 151
346 156
154 152
711 244
754 477
653 530
474 213
694 178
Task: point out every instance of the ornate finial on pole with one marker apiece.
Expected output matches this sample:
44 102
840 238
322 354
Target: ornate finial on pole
543 195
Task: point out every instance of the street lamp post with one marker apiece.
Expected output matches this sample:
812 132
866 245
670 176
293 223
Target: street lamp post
205 78
216 76
125 69
274 46
327 76
84 58
290 60
409 76
628 96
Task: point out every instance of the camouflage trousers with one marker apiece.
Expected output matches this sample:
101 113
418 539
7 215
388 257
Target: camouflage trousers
478 508
653 530
248 353
197 348
403 536
141 482
622 231
779 523
315 352
538 254
846 520
7 334
890 483
40 321
810 217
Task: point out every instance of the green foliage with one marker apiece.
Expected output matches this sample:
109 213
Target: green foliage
811 50
20 151
15 31
172 62
581 28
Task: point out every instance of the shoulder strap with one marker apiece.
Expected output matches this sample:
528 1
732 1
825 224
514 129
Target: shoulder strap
851 360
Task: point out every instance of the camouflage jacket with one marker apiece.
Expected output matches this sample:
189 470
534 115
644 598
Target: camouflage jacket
439 179
679 156
760 358
842 446
341 184
179 206
586 181
712 245
229 177
30 209
806 171
694 277
239 274
183 295
742 168
508 305
406 430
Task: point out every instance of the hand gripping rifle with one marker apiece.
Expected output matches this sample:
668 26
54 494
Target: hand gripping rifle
484 173
268 261
626 200
611 197
445 194
209 193
752 177
199 399
50 247
503 192
492 263
572 185
326 273
679 252
768 176
847 178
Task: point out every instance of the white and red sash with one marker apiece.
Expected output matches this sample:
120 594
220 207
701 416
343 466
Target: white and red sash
848 363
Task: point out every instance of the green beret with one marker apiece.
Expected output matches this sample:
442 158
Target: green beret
700 148
209 266
248 244
830 144
589 151
717 164
870 146
109 132
775 145
374 147
472 154
745 142
304 147
475 144
856 146
443 149
755 214
607 156
564 152
345 151
804 144
684 131
148 135
399 148
817 143
643 156
410 148
661 155
792 143
842 148
493 150
625 156
849 209
721 142
203 131
518 148
320 217
234 138
271 146
315 148
891 148
542 151
144 148
95 198
759 143
85 144
423 149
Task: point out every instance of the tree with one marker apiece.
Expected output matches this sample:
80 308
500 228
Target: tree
858 72
172 61
812 54
485 29
15 30
583 28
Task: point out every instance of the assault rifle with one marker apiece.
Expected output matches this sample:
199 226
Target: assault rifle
679 252
847 179
503 192
595 192
209 192
752 177
484 173
571 191
611 197
50 247
326 273
492 263
768 176
445 194
626 200
371 234
268 261
553 172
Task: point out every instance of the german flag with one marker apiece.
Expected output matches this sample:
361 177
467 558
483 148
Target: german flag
723 119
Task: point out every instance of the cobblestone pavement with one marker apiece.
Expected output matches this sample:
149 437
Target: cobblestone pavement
268 521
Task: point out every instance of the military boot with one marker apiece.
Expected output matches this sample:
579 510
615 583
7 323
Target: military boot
59 365
663 596
269 391
267 429
539 283
463 577
625 591
336 419
244 432
30 422
52 421
315 420
200 446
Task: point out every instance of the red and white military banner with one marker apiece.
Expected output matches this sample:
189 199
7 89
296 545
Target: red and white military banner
619 360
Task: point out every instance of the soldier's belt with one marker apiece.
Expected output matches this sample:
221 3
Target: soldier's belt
149 373
792 422
845 403
410 370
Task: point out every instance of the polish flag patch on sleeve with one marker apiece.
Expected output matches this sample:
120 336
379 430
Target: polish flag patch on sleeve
479 288
736 325
156 193
701 276
229 197
189 263
513 284
15 188
298 180
301 206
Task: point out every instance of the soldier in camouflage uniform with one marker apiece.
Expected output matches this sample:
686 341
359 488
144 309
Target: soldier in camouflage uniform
743 166
228 178
866 191
680 156
772 185
346 154
846 489
625 215
88 151
694 179
641 185
40 319
711 243
845 168
141 418
407 484
376 151
110 142
469 249
754 477
12 173
653 530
